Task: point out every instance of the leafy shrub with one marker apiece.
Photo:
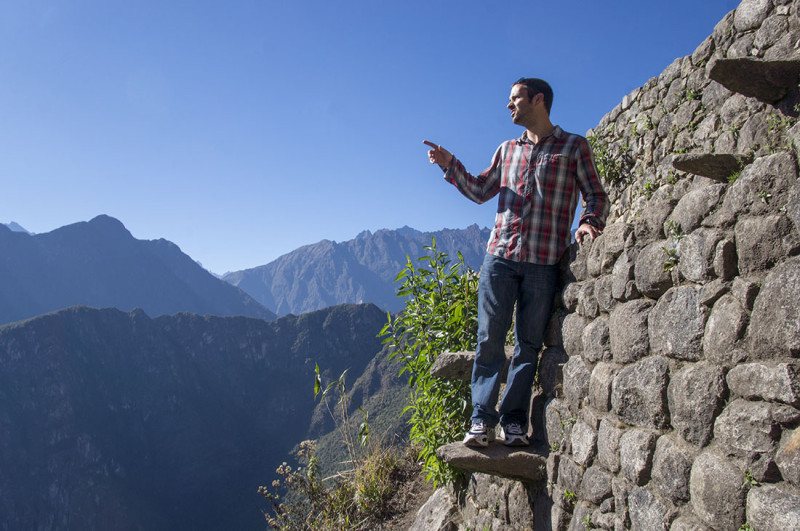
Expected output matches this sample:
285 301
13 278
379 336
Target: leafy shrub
440 315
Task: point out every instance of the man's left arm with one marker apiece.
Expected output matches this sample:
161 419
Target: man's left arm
593 217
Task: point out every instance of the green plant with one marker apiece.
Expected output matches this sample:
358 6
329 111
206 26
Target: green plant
672 177
569 496
440 315
746 527
650 187
674 231
749 480
587 521
734 176
672 259
764 196
343 408
692 94
609 167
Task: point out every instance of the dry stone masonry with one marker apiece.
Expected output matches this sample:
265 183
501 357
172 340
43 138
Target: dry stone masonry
669 391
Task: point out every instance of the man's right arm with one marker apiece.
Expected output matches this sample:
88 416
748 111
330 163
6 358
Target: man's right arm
479 188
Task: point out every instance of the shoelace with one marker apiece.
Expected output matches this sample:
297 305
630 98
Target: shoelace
514 429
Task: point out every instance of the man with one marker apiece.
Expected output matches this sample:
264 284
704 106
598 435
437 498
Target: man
538 178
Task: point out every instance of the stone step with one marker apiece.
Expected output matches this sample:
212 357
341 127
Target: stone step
458 365
768 81
717 166
521 463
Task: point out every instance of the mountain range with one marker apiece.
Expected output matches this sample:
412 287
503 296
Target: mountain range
115 420
100 264
359 270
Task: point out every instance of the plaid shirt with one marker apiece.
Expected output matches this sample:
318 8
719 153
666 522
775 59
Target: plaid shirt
539 186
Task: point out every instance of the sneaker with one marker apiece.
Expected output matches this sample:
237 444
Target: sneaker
514 435
479 434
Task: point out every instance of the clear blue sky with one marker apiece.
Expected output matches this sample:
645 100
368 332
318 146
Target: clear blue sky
241 130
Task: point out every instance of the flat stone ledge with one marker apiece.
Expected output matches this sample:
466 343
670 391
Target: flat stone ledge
458 365
717 166
497 459
768 81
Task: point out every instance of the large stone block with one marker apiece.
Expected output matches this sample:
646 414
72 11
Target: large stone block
747 428
603 289
623 287
764 241
677 323
696 396
558 424
596 485
608 438
695 206
788 457
639 394
636 447
774 326
750 14
550 372
647 511
697 252
672 464
600 384
628 331
650 226
576 382
653 279
572 334
717 496
762 187
724 330
584 443
596 341
775 382
770 507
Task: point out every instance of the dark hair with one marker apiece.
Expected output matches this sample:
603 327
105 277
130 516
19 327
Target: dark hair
537 86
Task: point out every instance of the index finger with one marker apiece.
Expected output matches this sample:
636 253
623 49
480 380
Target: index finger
430 144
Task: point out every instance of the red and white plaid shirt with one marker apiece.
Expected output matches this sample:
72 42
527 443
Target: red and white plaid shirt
539 186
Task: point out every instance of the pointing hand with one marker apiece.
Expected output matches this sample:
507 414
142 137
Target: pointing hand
438 155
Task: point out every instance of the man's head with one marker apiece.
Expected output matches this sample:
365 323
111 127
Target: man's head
536 86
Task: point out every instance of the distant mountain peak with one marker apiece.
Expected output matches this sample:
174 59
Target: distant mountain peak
16 227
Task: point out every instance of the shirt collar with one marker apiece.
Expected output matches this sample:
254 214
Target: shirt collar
556 133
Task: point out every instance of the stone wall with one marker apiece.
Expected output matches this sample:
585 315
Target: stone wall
670 398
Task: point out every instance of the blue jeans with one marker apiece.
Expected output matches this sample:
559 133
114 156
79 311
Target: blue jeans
502 283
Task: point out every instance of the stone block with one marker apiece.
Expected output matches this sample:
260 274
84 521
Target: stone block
570 475
596 485
608 438
628 331
750 14
596 341
587 301
622 276
558 424
570 295
693 207
767 177
572 334
697 252
600 384
576 382
717 496
726 262
603 289
747 428
672 465
650 225
764 241
677 323
636 448
696 396
440 512
774 327
724 330
647 511
550 372
788 456
584 443
639 393
652 278
745 290
774 382
771 507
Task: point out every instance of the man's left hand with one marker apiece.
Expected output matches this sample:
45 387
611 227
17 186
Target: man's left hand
587 230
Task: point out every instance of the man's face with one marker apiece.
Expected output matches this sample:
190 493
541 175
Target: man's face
519 105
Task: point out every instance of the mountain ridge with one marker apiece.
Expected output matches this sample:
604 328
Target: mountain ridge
99 263
362 269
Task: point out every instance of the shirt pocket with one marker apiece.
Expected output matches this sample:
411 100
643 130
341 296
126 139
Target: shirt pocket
549 173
